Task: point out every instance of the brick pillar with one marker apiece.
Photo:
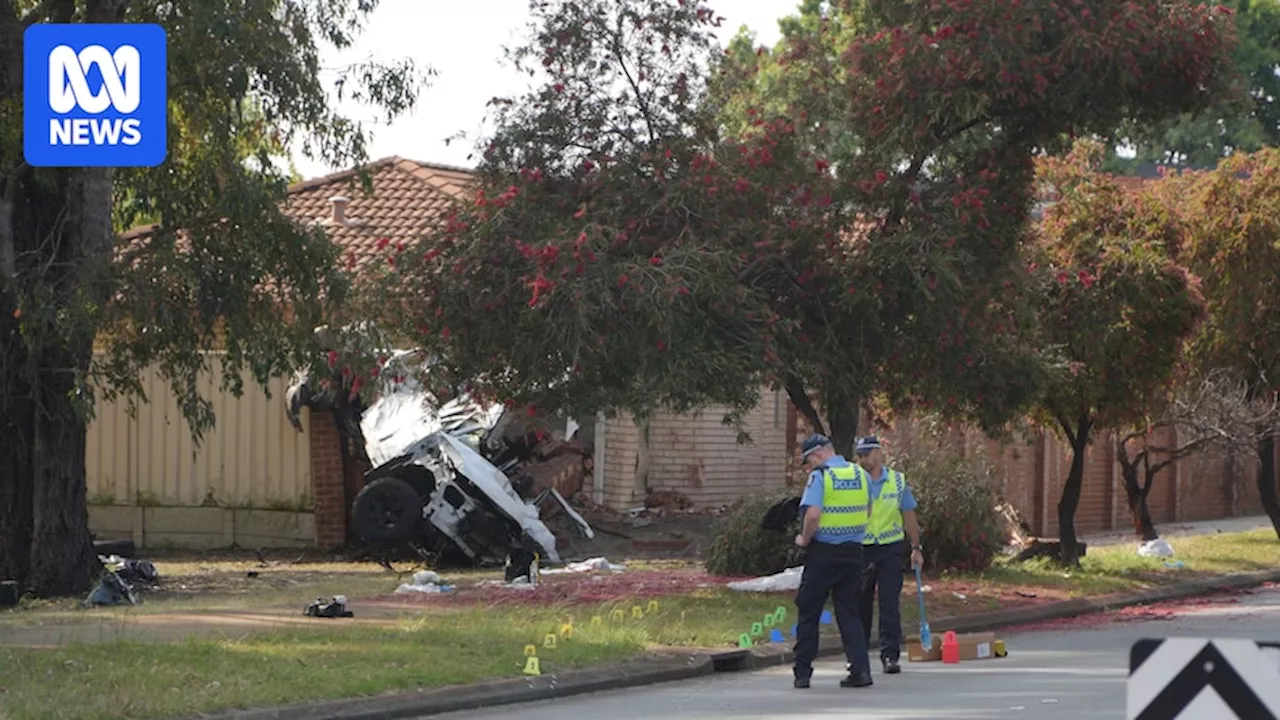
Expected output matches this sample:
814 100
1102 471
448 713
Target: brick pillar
327 482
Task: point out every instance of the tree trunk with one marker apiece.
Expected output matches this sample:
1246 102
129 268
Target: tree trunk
1070 500
16 425
62 557
842 416
1136 495
1267 478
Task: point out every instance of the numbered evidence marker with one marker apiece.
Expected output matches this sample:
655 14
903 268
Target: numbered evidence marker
744 640
780 615
532 666
566 630
617 614
757 629
637 611
1203 679
768 620
653 606
530 650
549 641
596 621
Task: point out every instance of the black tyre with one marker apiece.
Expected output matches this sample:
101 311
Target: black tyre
388 511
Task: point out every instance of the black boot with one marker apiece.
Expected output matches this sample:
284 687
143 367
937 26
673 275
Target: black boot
891 666
802 678
856 680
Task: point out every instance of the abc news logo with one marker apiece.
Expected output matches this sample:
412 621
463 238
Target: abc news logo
69 89
95 95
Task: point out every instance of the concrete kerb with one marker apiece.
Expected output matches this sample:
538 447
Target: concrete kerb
772 655
653 671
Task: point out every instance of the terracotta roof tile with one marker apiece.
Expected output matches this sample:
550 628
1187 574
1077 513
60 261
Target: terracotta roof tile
407 198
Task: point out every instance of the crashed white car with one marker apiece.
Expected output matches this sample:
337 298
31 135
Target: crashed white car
443 475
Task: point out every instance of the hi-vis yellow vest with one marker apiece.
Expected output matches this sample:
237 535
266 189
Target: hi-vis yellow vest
885 525
845 496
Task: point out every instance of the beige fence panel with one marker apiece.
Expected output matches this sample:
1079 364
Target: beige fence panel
252 458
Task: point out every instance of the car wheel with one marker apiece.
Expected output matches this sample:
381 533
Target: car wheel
388 511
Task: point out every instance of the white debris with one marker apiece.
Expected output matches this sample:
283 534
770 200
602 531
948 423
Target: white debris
592 565
1155 548
788 579
425 582
520 583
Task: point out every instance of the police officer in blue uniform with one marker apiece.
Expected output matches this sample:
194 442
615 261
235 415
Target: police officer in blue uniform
835 514
892 521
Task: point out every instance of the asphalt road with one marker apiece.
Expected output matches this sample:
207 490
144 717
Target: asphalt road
1072 669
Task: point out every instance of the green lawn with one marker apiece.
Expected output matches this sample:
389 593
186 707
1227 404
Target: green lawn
451 644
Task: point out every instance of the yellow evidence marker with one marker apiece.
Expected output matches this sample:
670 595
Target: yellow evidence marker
530 650
617 614
596 621
531 666
653 606
636 611
549 641
566 630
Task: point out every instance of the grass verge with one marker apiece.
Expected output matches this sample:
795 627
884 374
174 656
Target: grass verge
455 643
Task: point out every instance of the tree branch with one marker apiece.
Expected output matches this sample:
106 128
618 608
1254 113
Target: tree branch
800 398
1062 422
635 86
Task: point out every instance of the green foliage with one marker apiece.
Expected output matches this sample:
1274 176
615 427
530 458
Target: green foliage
845 207
1234 218
960 528
1116 308
244 85
738 546
1245 122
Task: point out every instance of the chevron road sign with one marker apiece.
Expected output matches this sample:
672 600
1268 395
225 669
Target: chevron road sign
1203 679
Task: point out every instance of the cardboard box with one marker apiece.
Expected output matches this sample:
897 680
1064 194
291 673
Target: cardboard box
973 646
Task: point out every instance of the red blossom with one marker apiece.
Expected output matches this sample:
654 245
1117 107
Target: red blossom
383 243
333 359
655 261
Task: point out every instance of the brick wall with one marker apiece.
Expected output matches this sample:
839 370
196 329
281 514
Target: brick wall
328 482
699 456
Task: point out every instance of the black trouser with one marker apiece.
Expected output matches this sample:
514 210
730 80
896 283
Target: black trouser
883 568
835 570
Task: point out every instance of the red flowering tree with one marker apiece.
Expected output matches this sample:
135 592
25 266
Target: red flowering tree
1235 247
638 241
1116 311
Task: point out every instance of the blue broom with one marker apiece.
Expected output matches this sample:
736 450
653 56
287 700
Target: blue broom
926 639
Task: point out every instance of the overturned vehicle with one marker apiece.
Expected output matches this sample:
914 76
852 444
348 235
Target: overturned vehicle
446 475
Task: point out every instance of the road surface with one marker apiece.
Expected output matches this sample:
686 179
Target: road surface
1071 669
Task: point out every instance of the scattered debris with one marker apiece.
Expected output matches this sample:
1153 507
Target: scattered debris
786 580
111 590
425 581
1155 548
335 608
596 564
130 570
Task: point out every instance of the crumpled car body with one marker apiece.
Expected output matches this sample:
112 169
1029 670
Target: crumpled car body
442 475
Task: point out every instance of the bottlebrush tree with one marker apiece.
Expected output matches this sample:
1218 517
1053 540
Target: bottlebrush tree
629 247
1235 247
1116 311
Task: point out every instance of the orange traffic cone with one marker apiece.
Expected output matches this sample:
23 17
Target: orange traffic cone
950 648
